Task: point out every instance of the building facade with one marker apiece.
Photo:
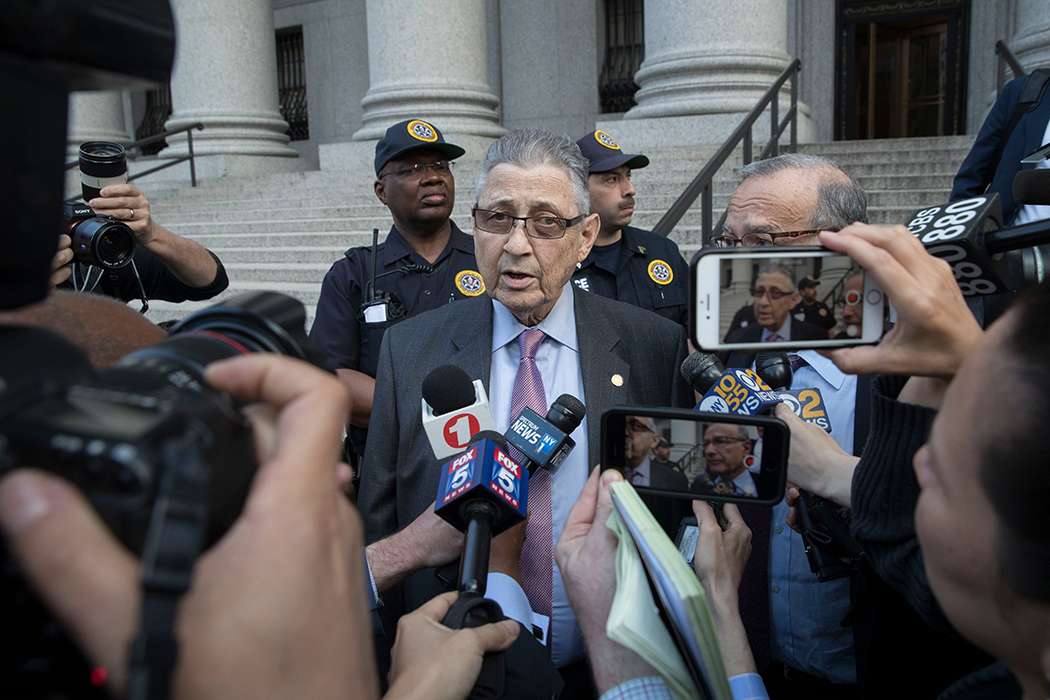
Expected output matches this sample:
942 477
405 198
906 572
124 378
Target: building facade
307 84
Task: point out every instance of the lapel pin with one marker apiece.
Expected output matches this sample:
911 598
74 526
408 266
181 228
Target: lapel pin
617 380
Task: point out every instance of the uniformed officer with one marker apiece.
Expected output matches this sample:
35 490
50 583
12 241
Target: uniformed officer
626 263
425 261
809 309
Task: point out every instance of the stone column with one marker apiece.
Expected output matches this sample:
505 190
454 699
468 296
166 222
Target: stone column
1031 43
428 60
706 66
225 77
96 116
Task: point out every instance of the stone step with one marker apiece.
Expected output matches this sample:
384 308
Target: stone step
301 272
288 240
305 293
908 144
321 255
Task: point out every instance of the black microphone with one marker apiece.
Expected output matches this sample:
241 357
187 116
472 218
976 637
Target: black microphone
448 388
702 370
1032 186
545 441
482 493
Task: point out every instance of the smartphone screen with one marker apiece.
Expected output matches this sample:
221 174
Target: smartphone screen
697 454
784 298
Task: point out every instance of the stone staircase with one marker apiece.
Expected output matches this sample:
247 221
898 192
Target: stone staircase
283 232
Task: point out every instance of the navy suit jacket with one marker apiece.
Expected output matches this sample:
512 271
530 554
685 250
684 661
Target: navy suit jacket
1026 137
800 330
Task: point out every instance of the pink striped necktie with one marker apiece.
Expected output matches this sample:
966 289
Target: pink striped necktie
537 555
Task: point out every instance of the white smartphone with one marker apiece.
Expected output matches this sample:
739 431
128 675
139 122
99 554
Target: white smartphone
750 300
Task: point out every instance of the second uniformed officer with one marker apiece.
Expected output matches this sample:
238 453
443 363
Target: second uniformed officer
425 261
808 309
626 263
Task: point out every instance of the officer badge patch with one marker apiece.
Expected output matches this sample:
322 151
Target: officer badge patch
606 140
822 312
660 272
470 283
422 131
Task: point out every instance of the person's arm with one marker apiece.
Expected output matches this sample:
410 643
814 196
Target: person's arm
427 542
362 389
586 557
816 463
975 172
190 262
276 610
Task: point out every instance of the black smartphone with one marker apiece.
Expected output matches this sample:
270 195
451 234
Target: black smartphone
690 454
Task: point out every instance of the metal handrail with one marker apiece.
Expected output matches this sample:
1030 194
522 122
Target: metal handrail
167 163
1006 59
701 184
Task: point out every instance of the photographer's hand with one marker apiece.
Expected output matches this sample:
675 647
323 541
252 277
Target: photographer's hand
935 329
189 261
434 662
276 608
62 263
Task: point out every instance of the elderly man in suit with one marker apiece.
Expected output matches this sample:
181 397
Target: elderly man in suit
529 340
641 437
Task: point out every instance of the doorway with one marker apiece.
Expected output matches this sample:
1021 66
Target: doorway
901 74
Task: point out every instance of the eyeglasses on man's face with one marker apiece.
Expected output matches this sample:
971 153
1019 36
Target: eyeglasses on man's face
773 293
637 426
418 170
758 240
720 441
542 227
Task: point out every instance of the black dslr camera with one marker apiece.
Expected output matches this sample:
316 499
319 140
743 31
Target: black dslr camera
98 240
166 460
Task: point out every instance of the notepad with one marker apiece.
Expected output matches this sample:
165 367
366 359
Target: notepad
660 610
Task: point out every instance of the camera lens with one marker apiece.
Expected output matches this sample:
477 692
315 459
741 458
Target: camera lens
102 242
102 163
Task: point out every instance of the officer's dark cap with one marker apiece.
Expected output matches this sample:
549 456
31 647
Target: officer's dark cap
411 135
664 443
807 282
604 154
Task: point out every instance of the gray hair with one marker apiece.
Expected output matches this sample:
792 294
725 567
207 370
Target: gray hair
531 147
839 202
780 270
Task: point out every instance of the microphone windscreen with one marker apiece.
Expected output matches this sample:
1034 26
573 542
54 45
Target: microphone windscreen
448 388
566 413
490 435
1032 186
702 370
775 369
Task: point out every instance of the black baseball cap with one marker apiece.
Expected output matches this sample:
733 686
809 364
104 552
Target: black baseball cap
664 443
410 135
807 281
604 153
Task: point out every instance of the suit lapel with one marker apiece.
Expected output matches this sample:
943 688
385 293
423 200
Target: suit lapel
599 366
472 336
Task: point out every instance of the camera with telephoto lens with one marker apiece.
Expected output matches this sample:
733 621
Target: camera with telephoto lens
144 439
102 241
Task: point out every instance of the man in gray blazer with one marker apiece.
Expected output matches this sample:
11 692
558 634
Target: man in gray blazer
531 228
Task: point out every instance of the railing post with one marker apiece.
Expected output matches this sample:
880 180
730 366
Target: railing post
747 147
774 123
794 112
193 168
706 214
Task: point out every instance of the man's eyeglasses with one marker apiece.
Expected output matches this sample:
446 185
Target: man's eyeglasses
638 427
773 293
721 441
758 240
544 227
418 170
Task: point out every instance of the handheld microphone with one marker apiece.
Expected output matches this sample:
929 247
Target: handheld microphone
968 233
482 492
807 404
454 410
545 442
739 391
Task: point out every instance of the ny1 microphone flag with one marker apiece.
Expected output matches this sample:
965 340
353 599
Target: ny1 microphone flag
484 471
544 445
